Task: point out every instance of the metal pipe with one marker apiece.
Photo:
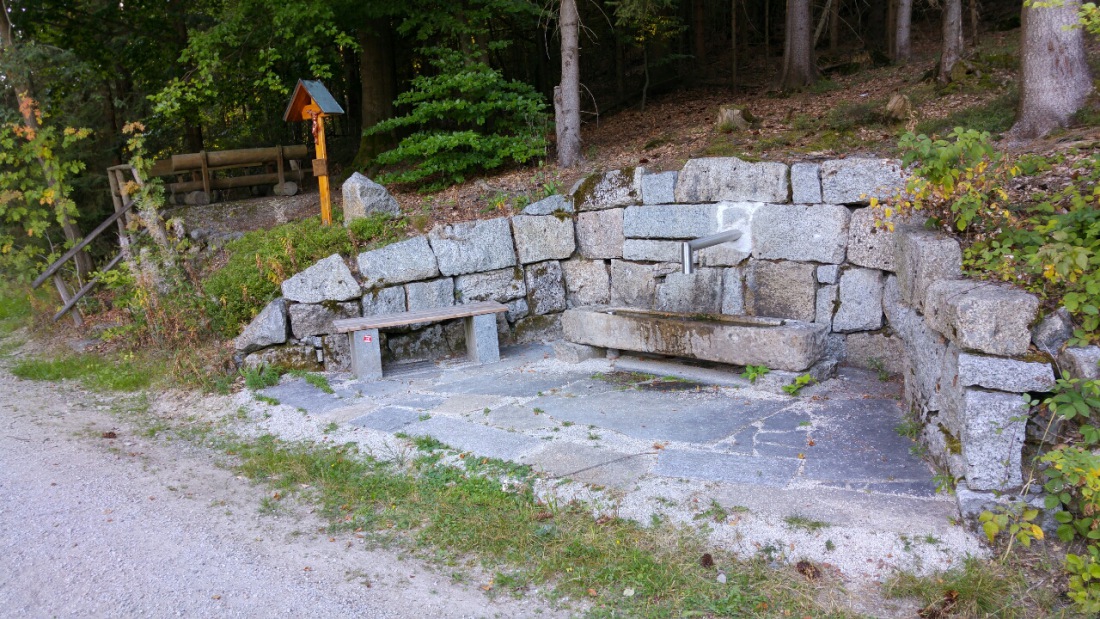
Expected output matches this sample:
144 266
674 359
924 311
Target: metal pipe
703 242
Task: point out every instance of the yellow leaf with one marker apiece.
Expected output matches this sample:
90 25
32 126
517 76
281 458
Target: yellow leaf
1036 532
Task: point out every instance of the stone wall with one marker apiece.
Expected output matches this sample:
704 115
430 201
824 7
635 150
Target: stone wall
810 250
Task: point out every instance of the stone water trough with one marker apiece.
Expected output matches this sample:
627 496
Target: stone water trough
776 343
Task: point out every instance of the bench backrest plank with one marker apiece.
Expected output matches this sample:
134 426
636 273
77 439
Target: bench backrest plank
402 319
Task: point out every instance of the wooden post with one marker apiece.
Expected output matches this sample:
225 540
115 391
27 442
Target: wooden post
320 167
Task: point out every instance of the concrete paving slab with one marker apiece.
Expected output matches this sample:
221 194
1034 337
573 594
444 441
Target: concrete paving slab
730 468
520 418
741 442
787 420
591 465
387 419
686 417
517 385
302 395
466 404
417 401
481 440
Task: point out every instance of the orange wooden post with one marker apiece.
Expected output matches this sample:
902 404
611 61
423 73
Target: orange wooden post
311 101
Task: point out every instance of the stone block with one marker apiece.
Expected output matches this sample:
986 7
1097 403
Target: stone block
437 341
545 287
540 238
556 203
290 357
516 309
268 328
860 301
806 183
856 180
725 255
534 329
992 438
473 246
308 319
384 301
600 234
607 190
816 233
328 279
1003 374
647 250
1081 362
670 221
828 297
878 351
633 284
716 179
828 274
733 292
1052 333
659 187
481 339
406 261
925 350
431 294
982 317
501 285
697 293
336 352
891 299
363 197
569 352
781 290
871 245
587 282
921 258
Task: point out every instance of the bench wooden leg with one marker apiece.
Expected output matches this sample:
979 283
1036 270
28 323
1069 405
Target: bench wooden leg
366 354
481 339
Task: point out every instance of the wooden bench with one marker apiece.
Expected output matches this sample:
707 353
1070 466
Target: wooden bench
366 352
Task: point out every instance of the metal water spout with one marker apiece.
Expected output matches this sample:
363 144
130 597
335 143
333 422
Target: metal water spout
703 242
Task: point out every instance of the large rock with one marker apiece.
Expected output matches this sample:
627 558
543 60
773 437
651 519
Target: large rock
805 233
288 357
336 352
540 238
728 178
781 290
502 285
612 189
268 328
362 197
658 187
923 257
556 203
870 244
308 319
431 294
327 280
545 287
697 293
1081 362
671 221
473 246
733 292
633 284
982 317
380 301
992 437
1052 333
398 263
586 282
1002 374
600 234
806 183
649 250
856 180
860 301
877 351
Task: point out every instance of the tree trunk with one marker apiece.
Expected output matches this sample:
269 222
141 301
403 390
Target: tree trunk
733 45
900 52
567 96
834 26
952 39
799 69
698 19
974 15
1055 80
378 90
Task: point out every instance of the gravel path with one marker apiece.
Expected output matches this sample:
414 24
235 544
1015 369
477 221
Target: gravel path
131 526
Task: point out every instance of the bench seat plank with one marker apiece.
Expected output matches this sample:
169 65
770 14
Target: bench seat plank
401 319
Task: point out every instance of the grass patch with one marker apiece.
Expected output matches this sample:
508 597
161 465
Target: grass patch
806 524
317 380
95 373
260 376
853 115
15 310
977 589
996 116
624 569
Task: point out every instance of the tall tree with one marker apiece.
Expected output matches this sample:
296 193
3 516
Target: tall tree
799 69
901 49
1055 80
567 95
953 46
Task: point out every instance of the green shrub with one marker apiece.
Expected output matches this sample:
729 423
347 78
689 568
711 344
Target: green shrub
259 261
463 119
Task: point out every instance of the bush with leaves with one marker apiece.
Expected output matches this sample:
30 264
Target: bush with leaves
465 118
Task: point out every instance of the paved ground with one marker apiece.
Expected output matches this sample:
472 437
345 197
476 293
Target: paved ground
824 476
